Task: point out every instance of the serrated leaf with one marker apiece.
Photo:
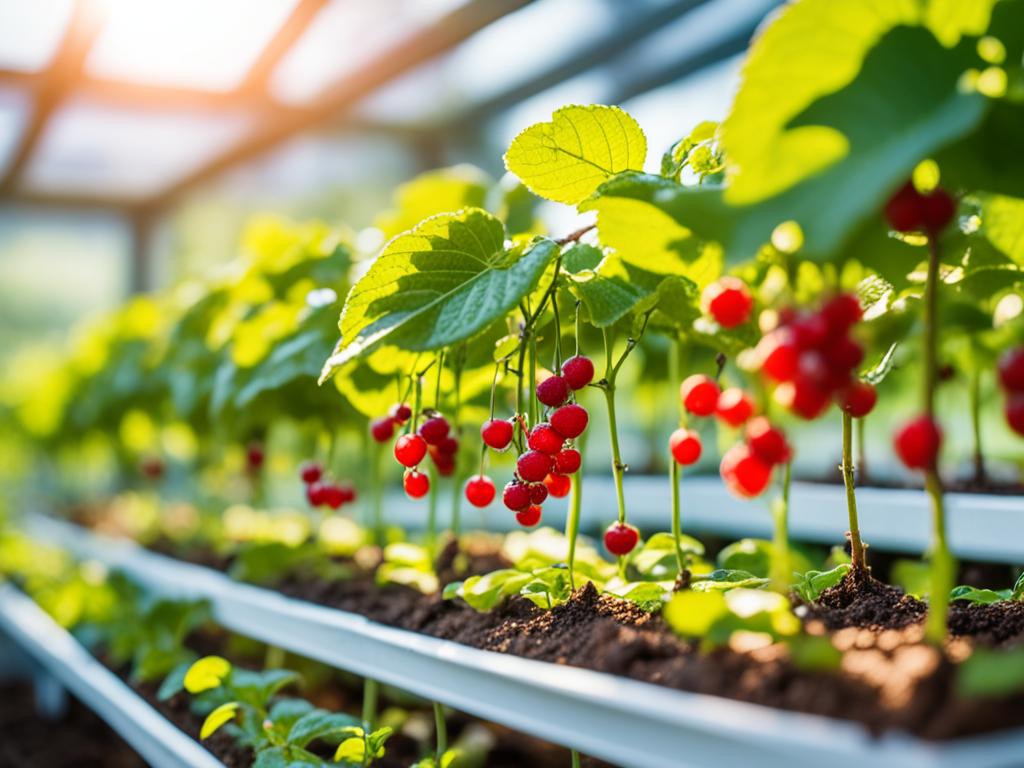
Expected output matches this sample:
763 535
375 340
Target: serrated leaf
606 292
566 159
439 284
220 716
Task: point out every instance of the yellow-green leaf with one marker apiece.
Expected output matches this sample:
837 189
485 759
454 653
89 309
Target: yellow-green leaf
221 715
566 159
208 672
351 750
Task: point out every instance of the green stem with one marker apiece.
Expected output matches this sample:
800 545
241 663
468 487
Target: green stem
371 693
534 410
975 403
377 493
432 510
856 545
572 521
943 567
862 461
780 575
274 657
575 759
674 470
442 732
618 468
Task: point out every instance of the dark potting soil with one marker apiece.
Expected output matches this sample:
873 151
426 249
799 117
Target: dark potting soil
860 600
80 739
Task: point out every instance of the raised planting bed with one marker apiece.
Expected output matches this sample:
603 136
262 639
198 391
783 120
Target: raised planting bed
621 720
158 741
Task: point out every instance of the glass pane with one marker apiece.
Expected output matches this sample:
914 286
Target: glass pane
31 31
196 43
92 148
344 36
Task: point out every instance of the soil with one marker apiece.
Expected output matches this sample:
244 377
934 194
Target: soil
860 600
85 741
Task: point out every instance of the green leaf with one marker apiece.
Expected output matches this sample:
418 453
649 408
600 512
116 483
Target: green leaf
813 583
484 593
723 580
814 653
606 291
693 614
257 688
221 715
174 683
656 559
991 673
566 159
1018 588
648 595
877 372
912 576
441 283
440 191
1002 224
207 673
755 556
320 724
286 712
981 596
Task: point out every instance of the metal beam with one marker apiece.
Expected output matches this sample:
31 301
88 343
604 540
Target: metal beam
390 64
58 81
287 35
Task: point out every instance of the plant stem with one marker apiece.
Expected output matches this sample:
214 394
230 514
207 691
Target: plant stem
377 493
674 470
942 560
572 522
618 468
975 402
534 410
274 657
862 461
780 575
575 759
432 510
371 691
442 732
856 545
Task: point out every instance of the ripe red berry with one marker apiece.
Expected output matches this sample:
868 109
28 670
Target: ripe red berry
152 467
480 491
734 406
578 371
745 475
570 420
333 496
497 434
444 462
558 485
904 210
728 301
410 450
529 517
767 443
1014 412
699 394
448 447
400 412
553 391
938 210
917 443
568 461
858 399
841 312
533 466
809 331
382 429
780 356
843 354
545 438
685 446
1011 370
538 493
620 539
348 493
416 484
311 471
434 430
516 495
254 456
803 396
315 494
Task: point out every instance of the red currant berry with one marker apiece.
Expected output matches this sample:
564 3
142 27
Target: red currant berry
803 396
316 494
841 312
400 412
311 471
728 301
809 331
538 493
545 438
938 210
444 462
348 493
410 450
578 371
767 443
745 475
533 466
1011 370
434 430
734 406
917 443
448 447
685 446
558 485
699 394
529 517
570 420
416 484
480 491
333 495
382 429
858 399
843 354
905 209
254 456
1014 412
620 539
516 495
780 356
567 462
553 391
152 467
497 434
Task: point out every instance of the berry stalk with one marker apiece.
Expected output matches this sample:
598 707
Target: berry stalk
674 471
572 523
442 732
974 395
371 693
780 568
847 468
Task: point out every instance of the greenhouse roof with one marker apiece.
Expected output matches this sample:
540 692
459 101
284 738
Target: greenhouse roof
129 104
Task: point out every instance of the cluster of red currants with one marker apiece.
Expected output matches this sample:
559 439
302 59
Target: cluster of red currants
321 492
813 358
544 468
909 210
433 438
1011 377
254 457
